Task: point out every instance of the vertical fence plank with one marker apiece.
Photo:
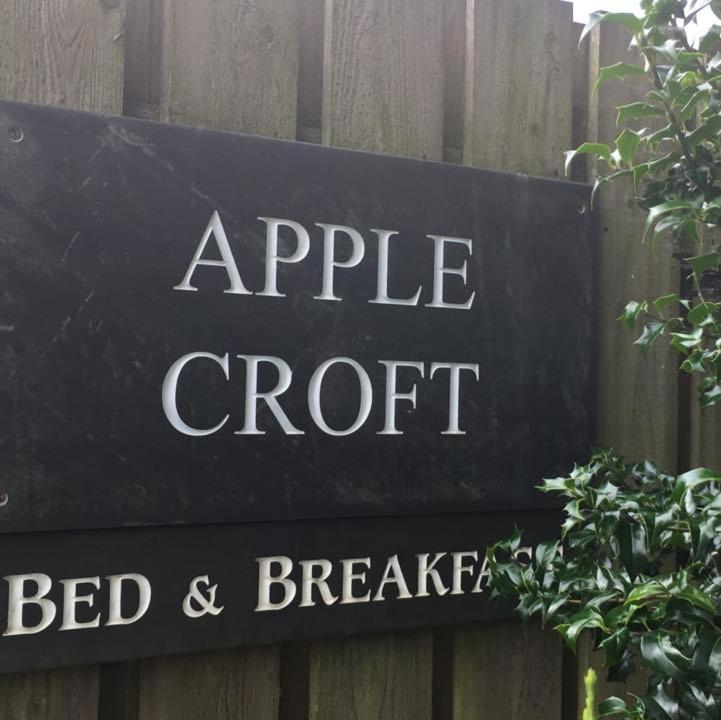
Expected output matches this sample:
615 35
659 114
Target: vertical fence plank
383 76
65 694
705 434
505 671
579 103
310 70
224 65
703 438
69 53
384 677
382 92
518 92
230 65
454 50
143 39
518 118
62 52
214 686
637 397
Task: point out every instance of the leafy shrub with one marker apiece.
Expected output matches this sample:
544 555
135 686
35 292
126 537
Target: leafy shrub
640 570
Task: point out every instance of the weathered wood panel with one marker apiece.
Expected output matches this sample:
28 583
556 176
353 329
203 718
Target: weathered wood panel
506 670
454 58
518 93
385 677
143 39
382 92
63 52
705 431
637 397
518 118
383 76
69 53
703 425
230 65
310 70
225 65
579 112
217 686
67 694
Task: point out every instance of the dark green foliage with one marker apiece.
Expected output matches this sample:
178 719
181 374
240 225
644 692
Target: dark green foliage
637 567
639 560
669 147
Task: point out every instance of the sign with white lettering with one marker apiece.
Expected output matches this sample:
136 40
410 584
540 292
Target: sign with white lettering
206 327
373 356
111 595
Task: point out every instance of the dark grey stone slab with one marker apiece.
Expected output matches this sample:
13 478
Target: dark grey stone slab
99 220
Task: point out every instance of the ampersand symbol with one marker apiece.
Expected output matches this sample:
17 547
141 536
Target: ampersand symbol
204 601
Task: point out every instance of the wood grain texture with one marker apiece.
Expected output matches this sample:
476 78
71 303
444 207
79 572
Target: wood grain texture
143 42
225 65
67 694
385 677
62 52
382 92
383 76
518 85
704 424
213 686
69 53
454 54
637 397
705 434
310 68
579 125
507 670
518 118
230 65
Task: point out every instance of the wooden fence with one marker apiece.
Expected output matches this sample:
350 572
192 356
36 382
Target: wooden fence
494 83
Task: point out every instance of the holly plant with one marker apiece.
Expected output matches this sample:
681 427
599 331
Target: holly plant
638 563
637 566
674 164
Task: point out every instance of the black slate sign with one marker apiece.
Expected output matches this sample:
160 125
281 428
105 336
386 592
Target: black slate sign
259 391
198 588
202 327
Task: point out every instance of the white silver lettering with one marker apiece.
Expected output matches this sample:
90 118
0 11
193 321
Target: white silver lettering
266 580
440 271
454 389
285 377
170 389
271 252
314 388
215 228
329 261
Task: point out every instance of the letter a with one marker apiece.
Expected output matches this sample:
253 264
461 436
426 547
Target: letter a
215 228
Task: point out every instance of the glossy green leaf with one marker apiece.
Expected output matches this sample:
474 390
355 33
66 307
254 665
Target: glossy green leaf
701 263
658 211
627 143
628 20
617 70
650 334
660 655
598 149
636 111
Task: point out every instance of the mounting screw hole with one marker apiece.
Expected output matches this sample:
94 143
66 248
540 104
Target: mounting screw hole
15 134
3 499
